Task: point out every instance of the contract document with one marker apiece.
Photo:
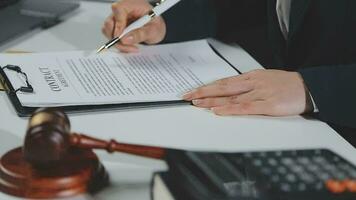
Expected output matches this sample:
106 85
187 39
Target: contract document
158 73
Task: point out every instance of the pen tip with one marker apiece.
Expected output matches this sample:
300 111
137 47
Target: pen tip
101 49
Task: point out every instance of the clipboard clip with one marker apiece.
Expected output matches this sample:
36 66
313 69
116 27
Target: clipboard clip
28 88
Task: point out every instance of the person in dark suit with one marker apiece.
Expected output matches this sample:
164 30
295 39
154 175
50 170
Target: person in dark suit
307 47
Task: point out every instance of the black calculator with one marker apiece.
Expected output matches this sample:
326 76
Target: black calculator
275 175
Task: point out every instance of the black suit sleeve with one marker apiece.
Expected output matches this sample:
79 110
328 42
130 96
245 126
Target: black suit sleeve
197 19
334 91
189 20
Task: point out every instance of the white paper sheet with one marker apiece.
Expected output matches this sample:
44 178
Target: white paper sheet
157 73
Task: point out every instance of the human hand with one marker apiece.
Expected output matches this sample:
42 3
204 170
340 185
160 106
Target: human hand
259 92
125 12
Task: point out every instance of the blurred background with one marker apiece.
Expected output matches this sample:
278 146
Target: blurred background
18 17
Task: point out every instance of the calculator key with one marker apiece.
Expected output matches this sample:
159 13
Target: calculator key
291 178
340 176
294 153
297 169
285 187
320 160
313 168
266 171
275 179
247 155
335 186
319 186
304 160
318 151
330 167
272 162
323 176
345 166
278 153
306 177
262 154
302 187
282 170
352 174
288 161
351 185
336 159
257 162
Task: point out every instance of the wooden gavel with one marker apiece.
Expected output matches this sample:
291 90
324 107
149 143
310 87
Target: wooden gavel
55 163
48 139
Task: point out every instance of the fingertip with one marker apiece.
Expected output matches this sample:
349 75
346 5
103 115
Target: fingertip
127 49
121 48
108 23
118 29
197 102
119 15
114 6
189 95
128 40
106 32
216 111
115 32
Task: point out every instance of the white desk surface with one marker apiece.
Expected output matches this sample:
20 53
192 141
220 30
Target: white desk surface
176 127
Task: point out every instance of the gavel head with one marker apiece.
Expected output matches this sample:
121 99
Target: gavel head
47 137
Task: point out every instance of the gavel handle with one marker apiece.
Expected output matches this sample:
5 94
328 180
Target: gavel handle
86 142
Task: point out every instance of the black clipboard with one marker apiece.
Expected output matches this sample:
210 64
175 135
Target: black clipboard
24 111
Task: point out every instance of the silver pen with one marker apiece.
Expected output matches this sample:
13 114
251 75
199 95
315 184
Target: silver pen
160 8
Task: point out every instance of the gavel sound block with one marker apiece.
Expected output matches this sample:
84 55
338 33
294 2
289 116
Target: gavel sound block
54 163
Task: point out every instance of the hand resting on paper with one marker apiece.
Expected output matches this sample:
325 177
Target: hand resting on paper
123 13
259 92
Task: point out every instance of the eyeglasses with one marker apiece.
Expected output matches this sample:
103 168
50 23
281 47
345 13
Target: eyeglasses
28 88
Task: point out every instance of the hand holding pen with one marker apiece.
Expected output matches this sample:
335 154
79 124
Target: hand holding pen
133 22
